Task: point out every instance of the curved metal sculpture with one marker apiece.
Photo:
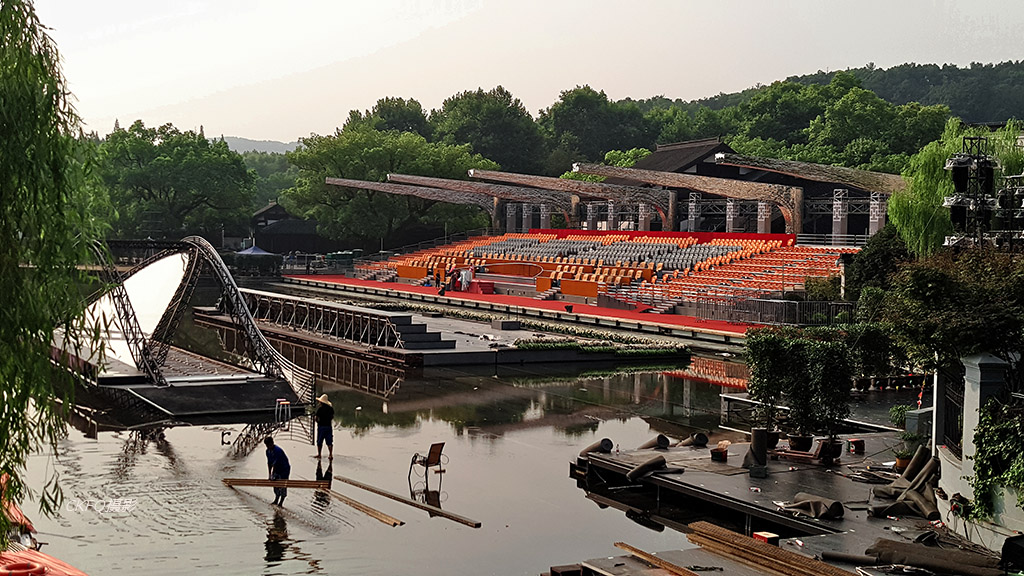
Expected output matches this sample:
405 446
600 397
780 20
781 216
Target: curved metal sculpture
150 353
266 359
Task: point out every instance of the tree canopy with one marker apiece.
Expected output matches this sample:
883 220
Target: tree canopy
495 123
167 183
952 305
273 175
46 232
392 113
364 217
585 122
975 93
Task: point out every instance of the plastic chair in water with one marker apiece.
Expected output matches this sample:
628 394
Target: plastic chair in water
433 459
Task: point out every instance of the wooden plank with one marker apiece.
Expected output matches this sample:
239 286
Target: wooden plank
655 561
432 509
323 485
377 514
316 485
744 548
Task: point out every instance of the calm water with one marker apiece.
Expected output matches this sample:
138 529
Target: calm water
509 440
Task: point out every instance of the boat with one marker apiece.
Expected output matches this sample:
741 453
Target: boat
22 557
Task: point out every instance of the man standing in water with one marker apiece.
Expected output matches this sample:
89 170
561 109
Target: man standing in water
324 427
278 468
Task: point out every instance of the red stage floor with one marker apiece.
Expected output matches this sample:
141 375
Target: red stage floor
581 309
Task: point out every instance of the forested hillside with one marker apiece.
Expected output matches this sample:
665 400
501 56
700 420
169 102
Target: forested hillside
979 93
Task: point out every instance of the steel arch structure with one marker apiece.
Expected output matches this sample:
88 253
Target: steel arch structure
150 352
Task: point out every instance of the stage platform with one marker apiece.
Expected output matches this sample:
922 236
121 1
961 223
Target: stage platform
710 335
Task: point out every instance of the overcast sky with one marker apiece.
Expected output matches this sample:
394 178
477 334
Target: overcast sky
269 69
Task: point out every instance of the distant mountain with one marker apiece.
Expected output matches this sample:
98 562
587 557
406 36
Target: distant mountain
241 145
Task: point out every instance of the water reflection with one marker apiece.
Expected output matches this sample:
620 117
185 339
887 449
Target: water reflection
484 405
277 539
321 498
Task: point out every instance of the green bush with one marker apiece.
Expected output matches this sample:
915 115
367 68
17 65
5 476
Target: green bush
998 460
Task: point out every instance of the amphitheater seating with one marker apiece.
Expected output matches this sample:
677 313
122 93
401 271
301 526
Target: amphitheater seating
636 268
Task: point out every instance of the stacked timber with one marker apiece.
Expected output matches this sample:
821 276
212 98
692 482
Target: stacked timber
771 559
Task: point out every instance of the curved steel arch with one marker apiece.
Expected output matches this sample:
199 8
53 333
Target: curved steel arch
150 353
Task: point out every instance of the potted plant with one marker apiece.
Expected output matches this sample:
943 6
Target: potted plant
898 415
830 379
905 449
770 371
800 397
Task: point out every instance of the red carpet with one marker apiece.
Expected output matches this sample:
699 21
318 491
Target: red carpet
671 320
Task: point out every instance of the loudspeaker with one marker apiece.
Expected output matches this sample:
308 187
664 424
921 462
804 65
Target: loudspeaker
1013 552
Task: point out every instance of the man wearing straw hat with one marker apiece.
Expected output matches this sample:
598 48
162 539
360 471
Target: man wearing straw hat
324 427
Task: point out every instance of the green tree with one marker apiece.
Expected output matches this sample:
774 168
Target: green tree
46 230
674 124
585 120
364 216
948 306
782 112
496 124
876 263
168 183
808 369
917 211
859 114
392 114
273 175
774 364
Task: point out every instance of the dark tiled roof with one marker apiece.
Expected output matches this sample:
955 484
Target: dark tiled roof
681 155
272 207
676 157
290 226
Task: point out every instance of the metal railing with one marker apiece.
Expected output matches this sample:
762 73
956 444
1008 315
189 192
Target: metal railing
383 255
362 326
769 312
953 416
832 239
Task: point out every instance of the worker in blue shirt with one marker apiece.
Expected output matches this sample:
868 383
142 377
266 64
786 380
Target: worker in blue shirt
278 468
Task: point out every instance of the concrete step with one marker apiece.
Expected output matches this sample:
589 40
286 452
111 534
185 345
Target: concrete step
404 328
436 345
422 337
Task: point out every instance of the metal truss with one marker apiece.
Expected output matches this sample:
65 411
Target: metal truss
824 206
168 324
324 319
370 377
149 354
138 345
720 205
264 357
